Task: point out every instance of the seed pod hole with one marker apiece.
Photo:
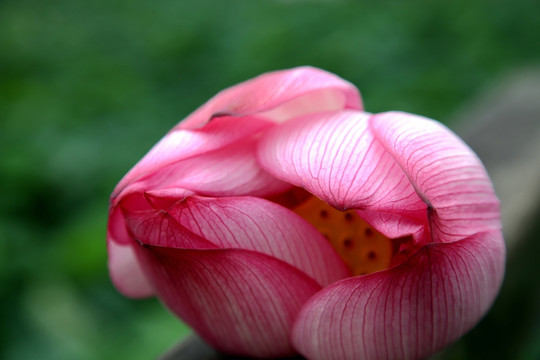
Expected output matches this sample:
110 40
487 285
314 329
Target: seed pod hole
361 247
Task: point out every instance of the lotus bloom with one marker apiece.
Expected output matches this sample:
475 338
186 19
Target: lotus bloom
280 218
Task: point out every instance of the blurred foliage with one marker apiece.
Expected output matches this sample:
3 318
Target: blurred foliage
86 88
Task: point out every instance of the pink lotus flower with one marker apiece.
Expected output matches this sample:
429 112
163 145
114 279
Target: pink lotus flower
281 218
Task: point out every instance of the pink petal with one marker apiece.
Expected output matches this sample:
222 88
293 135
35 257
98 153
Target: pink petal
262 226
183 144
136 199
394 226
446 174
240 302
125 271
280 95
116 227
231 296
159 228
406 312
231 171
336 157
165 198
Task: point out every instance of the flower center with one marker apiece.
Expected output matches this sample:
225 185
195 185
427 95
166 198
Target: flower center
363 249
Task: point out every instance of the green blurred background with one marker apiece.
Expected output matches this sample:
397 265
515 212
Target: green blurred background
87 87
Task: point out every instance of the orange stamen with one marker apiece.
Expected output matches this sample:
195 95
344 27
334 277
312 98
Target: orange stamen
363 249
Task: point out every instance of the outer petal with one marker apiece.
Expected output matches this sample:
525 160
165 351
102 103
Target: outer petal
336 157
406 312
446 174
181 144
159 228
230 171
125 271
240 223
241 302
232 296
280 95
262 226
124 268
